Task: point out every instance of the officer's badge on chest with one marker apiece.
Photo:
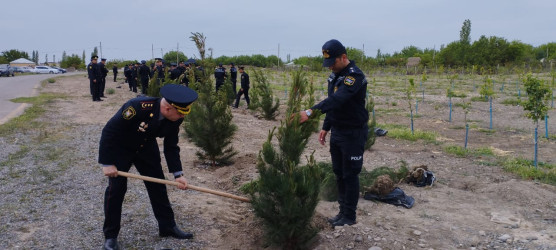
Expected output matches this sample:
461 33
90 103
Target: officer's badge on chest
349 81
128 113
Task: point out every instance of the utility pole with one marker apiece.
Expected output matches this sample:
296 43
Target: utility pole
54 59
278 55
161 54
177 53
152 51
100 49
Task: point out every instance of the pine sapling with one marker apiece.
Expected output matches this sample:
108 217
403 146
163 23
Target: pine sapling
410 96
262 97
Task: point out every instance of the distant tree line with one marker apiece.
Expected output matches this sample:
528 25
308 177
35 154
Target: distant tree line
485 53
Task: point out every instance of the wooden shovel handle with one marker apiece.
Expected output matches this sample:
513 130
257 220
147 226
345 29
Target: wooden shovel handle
189 186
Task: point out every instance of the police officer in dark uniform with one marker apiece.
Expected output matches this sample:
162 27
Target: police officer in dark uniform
134 75
233 77
103 74
115 71
159 69
347 118
174 71
94 78
185 78
144 72
127 74
129 138
220 75
244 90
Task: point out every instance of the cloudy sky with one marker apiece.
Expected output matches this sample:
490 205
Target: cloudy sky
130 29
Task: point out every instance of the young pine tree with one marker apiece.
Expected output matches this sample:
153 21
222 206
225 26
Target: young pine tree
209 125
262 96
287 193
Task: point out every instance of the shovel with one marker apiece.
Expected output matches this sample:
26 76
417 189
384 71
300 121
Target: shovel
189 186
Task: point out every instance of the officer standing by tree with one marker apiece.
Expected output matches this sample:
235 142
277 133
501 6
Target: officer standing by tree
174 71
244 90
144 72
220 75
127 73
347 117
115 71
233 77
129 138
94 78
103 74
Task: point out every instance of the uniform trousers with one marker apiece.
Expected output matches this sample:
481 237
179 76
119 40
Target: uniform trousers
147 164
95 89
346 149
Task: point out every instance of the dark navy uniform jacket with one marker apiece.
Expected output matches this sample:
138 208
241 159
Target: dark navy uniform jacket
244 81
103 69
233 74
133 130
345 105
93 71
144 71
115 69
219 74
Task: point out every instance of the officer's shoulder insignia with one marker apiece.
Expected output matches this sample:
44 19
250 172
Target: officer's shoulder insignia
351 70
128 113
148 105
349 81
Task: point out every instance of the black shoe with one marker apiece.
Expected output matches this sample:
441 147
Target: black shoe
335 218
380 132
111 244
103 96
99 100
176 233
343 221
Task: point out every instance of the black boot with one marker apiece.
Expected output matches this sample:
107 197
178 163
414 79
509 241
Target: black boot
175 232
343 221
111 244
335 218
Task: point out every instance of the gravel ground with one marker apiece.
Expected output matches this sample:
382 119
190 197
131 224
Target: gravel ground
51 188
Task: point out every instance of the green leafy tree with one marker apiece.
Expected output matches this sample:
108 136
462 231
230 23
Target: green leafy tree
209 125
95 52
83 58
14 54
72 61
465 33
172 56
262 97
286 193
538 94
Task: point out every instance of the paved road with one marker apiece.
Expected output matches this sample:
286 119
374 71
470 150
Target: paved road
18 86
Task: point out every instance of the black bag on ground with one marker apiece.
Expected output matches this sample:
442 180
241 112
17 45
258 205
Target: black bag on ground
396 198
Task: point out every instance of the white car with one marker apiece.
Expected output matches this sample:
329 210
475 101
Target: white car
45 70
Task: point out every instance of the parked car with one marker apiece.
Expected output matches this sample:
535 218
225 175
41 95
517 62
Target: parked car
61 70
27 69
6 70
45 70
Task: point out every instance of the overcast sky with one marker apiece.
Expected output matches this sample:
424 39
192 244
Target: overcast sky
129 29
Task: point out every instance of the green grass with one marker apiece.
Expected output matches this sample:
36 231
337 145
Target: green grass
110 91
479 99
487 131
26 120
51 80
512 102
404 133
461 152
545 173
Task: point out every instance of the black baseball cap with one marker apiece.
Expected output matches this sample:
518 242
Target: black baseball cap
179 96
331 50
94 57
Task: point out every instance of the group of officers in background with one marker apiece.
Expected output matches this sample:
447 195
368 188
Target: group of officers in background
140 73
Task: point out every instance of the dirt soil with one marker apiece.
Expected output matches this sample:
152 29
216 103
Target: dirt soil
472 204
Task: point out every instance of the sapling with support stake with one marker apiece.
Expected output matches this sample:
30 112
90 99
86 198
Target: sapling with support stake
410 95
487 90
538 94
